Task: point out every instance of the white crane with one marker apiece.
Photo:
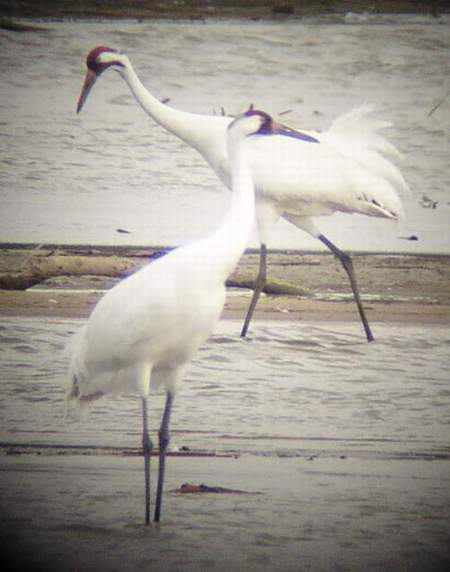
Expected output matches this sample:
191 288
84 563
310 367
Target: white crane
143 333
298 176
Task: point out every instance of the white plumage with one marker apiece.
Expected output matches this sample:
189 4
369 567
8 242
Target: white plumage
143 333
298 175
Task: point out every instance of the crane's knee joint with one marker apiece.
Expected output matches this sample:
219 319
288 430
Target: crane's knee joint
147 444
347 260
164 440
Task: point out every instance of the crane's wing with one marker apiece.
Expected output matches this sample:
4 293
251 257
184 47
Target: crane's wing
155 318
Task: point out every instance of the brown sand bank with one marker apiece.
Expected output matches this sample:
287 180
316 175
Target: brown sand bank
67 281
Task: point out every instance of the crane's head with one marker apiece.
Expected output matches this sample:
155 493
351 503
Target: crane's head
98 60
254 122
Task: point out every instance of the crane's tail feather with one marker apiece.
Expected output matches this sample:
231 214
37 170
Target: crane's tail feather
78 384
356 134
359 124
359 119
74 393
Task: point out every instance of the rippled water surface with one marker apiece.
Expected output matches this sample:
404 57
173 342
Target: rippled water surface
68 178
291 389
347 455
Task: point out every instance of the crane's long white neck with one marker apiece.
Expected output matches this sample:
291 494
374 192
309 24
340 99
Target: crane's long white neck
231 238
203 132
208 135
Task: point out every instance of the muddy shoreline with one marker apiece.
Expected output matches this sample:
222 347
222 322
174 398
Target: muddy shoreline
66 281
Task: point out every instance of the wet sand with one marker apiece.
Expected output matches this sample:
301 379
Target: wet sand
66 281
85 513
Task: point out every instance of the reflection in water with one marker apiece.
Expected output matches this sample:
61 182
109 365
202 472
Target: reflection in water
289 389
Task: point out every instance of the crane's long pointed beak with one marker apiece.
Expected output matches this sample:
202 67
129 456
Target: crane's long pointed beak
280 129
89 81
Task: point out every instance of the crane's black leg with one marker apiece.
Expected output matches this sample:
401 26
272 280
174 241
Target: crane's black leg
163 444
347 264
148 447
259 286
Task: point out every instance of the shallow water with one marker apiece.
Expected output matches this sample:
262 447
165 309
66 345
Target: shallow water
67 178
344 445
292 389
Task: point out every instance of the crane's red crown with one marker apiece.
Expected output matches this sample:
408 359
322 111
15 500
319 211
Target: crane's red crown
91 60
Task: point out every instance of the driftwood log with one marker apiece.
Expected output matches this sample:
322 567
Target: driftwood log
23 269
